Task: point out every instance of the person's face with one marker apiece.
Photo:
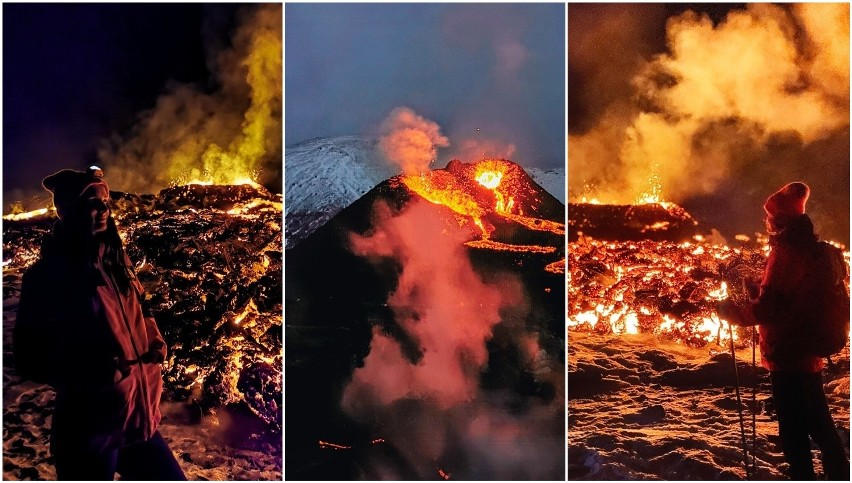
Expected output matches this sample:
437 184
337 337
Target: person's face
96 202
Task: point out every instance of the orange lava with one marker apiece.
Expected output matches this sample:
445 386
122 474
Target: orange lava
508 247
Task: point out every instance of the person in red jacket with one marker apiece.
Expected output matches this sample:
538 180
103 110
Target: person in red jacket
797 389
81 329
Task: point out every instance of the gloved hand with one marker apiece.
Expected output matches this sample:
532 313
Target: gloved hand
728 310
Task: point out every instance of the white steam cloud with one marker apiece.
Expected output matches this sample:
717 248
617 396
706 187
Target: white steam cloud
431 405
410 141
439 301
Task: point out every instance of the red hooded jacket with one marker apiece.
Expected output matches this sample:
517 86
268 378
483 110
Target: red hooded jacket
79 331
786 299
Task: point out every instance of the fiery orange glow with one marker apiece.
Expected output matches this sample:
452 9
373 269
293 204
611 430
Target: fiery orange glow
245 208
537 224
442 188
650 287
459 187
495 245
557 267
28 214
236 180
237 160
662 288
489 179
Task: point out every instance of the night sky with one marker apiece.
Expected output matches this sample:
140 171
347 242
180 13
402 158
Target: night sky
73 75
496 68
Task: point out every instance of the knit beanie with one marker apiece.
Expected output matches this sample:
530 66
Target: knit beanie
67 185
788 201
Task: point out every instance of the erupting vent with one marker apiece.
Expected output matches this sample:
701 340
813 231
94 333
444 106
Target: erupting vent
486 193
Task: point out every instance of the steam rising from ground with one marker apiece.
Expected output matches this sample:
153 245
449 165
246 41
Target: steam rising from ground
410 141
720 104
234 132
424 385
440 302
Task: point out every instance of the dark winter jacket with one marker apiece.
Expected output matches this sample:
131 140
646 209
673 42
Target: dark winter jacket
79 331
786 299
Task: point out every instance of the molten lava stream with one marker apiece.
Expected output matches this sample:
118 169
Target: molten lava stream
508 247
537 224
662 288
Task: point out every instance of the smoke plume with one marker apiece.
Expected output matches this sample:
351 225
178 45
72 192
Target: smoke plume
410 141
721 106
474 149
225 136
423 382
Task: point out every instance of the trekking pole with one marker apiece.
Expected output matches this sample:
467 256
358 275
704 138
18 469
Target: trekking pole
739 405
753 402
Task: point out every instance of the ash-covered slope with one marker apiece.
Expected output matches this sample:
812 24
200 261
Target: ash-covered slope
210 258
341 302
325 175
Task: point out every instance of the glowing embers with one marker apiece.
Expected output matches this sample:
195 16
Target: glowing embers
223 181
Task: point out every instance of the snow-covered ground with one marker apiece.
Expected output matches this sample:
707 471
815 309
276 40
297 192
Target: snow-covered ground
639 408
325 175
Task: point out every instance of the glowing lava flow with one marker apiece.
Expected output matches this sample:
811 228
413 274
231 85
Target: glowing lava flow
27 215
236 181
662 288
460 188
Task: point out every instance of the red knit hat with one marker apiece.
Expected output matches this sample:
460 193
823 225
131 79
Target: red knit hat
67 185
788 201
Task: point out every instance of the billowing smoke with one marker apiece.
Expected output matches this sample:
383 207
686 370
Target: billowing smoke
410 141
422 379
473 149
224 136
734 108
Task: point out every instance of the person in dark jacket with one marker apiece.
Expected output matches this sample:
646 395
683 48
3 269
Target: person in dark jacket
81 329
796 374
